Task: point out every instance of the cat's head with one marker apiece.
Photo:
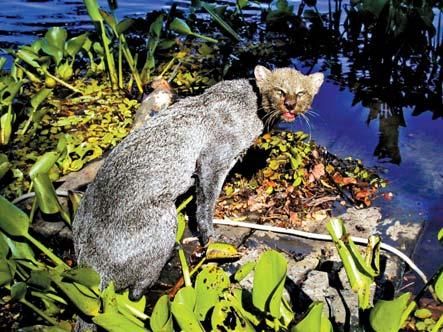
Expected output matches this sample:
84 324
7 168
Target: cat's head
286 92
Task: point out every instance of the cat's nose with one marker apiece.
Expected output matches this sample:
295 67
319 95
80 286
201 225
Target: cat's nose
290 104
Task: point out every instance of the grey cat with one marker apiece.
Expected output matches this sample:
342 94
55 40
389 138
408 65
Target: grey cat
126 224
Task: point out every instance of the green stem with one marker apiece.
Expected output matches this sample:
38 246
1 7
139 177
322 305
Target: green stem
120 67
40 312
33 209
212 40
195 269
185 267
168 66
67 85
438 325
131 64
27 124
46 251
109 58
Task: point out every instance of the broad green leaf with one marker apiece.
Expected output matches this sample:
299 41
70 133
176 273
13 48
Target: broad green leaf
5 165
8 94
186 296
386 316
83 275
439 287
74 45
28 57
18 291
20 250
161 318
45 194
5 127
116 322
180 26
269 279
7 271
219 20
109 19
13 220
314 321
90 306
4 247
124 25
39 97
133 310
221 251
209 286
93 10
185 317
41 279
156 27
56 37
56 53
244 270
226 317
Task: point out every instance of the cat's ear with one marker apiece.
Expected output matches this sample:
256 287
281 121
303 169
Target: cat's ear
261 74
317 81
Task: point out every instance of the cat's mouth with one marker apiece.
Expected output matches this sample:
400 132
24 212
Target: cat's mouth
288 116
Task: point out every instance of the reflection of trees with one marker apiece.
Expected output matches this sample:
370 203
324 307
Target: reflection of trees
390 56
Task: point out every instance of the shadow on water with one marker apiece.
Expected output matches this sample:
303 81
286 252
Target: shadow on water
382 101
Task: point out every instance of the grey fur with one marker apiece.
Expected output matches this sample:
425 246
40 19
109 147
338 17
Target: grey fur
126 224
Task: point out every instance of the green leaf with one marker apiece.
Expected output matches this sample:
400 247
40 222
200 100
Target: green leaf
20 250
93 10
124 25
116 322
131 308
375 7
13 220
44 164
187 297
56 53
180 26
5 127
156 27
18 291
56 37
40 279
83 275
186 318
439 287
7 271
439 236
45 194
226 317
243 271
5 165
209 286
2 62
220 21
386 316
109 19
39 97
28 57
161 318
314 321
221 251
269 280
181 226
41 328
74 45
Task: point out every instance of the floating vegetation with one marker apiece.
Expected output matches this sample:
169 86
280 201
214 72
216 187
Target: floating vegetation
299 181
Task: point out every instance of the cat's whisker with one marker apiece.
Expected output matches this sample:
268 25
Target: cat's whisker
308 123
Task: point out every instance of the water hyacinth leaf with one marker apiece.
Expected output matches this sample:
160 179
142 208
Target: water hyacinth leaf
269 279
109 19
20 250
74 45
131 308
54 52
161 318
124 25
40 279
116 322
39 97
93 10
221 251
439 287
209 286
186 296
45 194
2 62
88 305
83 275
156 27
244 270
5 165
180 26
314 321
13 220
386 316
8 94
56 37
210 9
186 318
226 317
43 164
7 271
28 57
18 291
4 247
5 127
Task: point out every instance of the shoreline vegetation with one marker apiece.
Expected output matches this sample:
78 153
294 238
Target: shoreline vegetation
68 99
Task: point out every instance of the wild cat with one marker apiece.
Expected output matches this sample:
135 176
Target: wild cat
126 224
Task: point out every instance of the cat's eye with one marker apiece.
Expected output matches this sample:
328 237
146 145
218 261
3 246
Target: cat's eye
280 92
301 94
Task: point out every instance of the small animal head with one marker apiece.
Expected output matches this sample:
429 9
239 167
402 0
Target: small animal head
286 93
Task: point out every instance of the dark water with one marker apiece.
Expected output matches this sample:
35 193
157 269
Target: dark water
404 140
